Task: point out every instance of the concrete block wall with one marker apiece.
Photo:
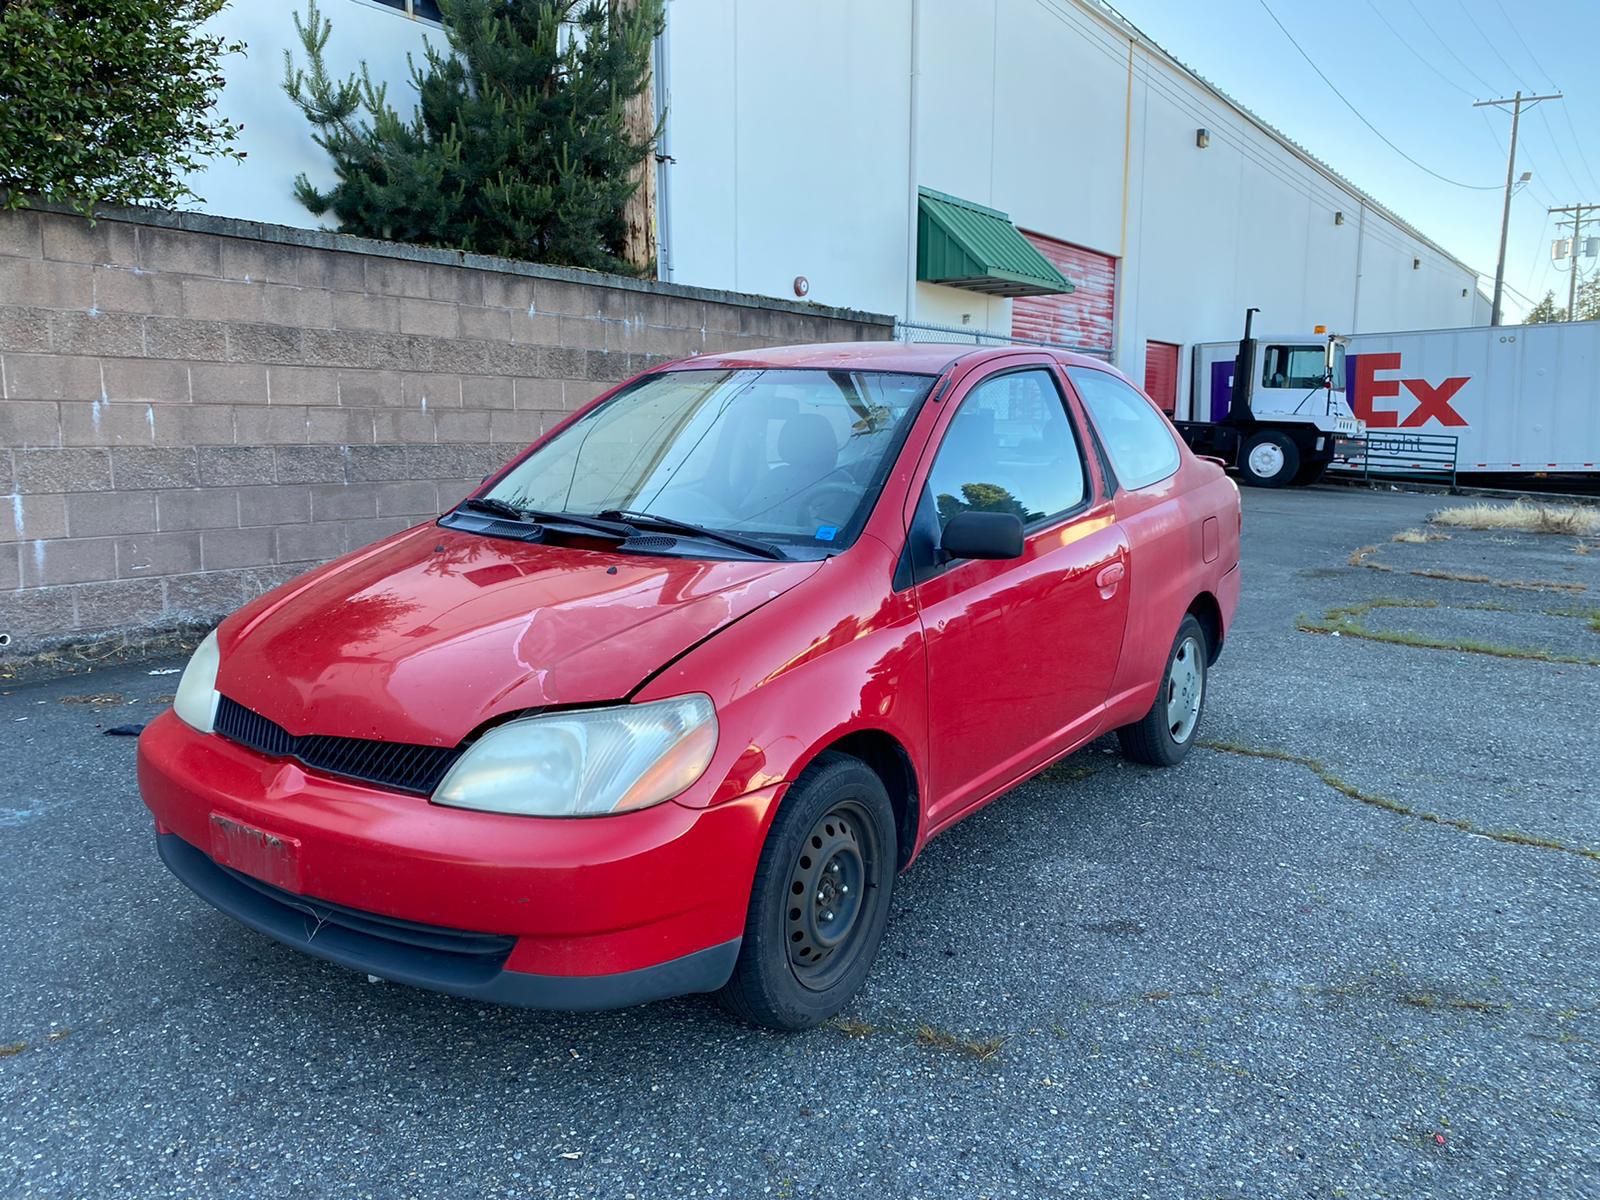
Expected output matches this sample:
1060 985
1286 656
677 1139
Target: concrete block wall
194 410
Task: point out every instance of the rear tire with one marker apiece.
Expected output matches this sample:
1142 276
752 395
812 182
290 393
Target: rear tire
1269 459
820 899
1163 736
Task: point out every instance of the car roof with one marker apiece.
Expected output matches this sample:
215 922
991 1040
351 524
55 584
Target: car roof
917 358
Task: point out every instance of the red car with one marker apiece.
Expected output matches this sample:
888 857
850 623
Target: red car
669 703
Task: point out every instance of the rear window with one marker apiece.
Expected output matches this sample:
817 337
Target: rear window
1137 438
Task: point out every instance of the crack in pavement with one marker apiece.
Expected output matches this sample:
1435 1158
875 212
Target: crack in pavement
1510 837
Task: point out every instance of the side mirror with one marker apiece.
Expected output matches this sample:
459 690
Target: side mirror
992 535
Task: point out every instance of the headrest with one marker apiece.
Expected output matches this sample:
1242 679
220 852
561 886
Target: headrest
807 440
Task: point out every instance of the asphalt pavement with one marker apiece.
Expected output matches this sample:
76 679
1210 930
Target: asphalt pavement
1350 949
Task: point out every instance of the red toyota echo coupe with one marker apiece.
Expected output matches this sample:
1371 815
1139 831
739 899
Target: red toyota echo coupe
669 702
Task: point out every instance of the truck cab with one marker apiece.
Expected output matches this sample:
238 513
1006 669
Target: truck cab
1289 420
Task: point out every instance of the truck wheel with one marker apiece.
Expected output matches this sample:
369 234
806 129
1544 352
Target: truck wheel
820 900
1163 736
1269 459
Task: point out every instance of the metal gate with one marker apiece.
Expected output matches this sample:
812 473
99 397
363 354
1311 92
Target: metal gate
1397 455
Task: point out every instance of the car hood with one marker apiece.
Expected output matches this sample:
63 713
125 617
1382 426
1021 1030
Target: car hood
426 635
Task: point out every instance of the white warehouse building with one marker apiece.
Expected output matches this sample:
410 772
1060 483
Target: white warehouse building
1029 168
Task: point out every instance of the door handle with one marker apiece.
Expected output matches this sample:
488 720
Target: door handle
1110 575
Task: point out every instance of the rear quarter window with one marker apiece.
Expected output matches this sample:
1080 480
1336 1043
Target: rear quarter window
1137 438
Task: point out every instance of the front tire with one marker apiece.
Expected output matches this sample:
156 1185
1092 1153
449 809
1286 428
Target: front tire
1269 459
1162 738
820 899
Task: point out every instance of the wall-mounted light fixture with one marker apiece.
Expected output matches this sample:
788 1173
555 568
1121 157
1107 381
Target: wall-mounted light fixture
1416 264
1463 293
1338 218
1202 138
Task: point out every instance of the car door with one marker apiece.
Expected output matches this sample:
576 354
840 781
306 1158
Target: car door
1020 652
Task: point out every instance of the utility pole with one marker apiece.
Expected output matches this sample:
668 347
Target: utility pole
1578 212
1517 103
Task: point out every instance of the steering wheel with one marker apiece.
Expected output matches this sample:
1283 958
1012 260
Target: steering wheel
814 507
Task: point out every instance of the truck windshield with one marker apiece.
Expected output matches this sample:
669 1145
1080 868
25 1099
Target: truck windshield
1299 367
793 457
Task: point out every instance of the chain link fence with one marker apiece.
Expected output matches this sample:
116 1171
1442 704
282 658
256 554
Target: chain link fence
913 331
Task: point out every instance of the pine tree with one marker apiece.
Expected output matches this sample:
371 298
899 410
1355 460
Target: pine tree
1545 311
519 146
1589 299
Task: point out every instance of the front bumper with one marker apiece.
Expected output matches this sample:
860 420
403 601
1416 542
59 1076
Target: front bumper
553 913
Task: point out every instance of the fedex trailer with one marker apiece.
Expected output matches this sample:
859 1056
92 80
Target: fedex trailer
1508 400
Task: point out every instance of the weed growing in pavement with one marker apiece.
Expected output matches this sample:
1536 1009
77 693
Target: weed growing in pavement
853 1028
942 1039
1417 536
1588 614
1341 623
1522 585
1512 837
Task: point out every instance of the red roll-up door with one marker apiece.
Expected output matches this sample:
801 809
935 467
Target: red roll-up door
1161 374
1082 319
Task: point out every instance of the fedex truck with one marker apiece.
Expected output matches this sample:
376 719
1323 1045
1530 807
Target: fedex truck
1508 400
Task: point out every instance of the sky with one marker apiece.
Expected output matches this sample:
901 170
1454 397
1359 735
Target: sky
1413 69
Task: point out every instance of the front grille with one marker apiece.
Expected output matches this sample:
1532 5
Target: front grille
398 766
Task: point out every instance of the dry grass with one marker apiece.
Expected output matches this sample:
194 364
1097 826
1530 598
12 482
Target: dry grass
941 1039
1418 536
853 1028
1574 520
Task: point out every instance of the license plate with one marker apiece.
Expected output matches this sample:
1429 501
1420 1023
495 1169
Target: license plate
269 857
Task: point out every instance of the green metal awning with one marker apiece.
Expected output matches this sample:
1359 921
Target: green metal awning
965 245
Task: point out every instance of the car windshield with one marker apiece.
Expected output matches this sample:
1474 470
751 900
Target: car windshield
792 457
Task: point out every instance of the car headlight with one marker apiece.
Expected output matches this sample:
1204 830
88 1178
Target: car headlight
196 698
586 762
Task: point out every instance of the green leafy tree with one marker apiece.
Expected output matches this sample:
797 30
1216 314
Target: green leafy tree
1545 311
109 101
981 497
520 144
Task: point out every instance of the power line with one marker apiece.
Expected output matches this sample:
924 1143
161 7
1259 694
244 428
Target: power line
1487 41
1538 250
1471 187
1220 112
1582 157
1440 39
1572 178
1420 57
1537 184
1517 33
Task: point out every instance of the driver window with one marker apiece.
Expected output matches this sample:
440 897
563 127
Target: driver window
1010 448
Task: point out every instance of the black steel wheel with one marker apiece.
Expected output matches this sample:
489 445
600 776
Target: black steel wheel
835 876
820 899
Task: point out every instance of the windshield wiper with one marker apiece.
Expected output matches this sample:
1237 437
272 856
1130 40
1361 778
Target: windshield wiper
689 529
515 512
489 504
